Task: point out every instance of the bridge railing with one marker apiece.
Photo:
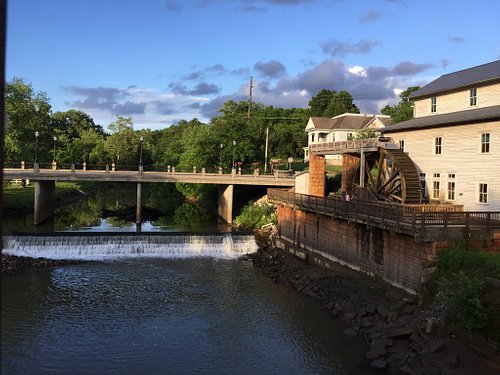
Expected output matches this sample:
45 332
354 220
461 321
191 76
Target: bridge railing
410 219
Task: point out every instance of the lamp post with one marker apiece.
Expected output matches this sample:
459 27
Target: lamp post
36 151
234 151
55 139
141 139
220 157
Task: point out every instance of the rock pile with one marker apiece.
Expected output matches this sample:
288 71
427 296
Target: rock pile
400 336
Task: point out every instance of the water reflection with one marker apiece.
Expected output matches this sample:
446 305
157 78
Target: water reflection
113 208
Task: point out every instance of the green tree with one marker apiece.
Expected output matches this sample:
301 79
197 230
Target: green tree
122 146
27 112
403 111
327 103
319 102
340 103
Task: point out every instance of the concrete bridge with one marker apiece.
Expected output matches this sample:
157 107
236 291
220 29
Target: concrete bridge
45 184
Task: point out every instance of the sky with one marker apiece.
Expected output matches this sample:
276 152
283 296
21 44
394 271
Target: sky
160 61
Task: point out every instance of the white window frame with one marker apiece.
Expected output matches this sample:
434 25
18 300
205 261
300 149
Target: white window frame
423 184
452 179
436 179
433 104
402 145
485 147
473 97
482 196
438 147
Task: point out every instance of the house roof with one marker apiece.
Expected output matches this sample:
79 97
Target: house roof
347 121
454 118
462 78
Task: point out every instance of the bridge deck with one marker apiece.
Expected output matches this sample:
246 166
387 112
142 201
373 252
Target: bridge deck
134 176
350 147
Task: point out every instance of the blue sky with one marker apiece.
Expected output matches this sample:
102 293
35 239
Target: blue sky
160 61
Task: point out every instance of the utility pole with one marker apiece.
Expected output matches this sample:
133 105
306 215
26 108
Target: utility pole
250 99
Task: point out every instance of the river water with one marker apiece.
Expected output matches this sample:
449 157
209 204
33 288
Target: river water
133 314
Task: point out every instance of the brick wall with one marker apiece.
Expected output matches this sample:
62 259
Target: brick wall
396 258
349 164
317 175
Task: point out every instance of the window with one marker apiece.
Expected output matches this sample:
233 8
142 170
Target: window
438 145
473 96
402 145
435 185
422 184
483 193
451 186
433 104
485 143
312 138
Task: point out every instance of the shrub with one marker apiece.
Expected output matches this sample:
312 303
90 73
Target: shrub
461 273
256 215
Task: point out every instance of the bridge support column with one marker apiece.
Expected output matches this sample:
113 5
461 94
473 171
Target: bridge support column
225 206
45 201
317 175
138 210
349 163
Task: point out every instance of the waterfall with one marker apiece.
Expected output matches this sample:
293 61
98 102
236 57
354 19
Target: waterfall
114 246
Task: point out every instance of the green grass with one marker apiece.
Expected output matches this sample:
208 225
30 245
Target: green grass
333 169
17 198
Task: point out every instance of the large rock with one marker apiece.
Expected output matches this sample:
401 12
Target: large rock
400 333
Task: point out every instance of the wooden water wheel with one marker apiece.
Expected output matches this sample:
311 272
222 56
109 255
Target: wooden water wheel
389 175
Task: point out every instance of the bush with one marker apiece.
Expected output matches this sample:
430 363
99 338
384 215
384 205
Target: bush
461 273
256 215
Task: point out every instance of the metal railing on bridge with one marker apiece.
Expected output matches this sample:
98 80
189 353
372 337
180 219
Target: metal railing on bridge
421 221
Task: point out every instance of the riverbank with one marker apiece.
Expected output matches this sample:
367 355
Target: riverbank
18 200
401 336
12 263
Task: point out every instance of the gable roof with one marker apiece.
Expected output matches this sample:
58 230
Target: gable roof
346 121
454 118
462 78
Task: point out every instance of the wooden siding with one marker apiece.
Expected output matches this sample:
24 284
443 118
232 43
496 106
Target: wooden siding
459 101
461 155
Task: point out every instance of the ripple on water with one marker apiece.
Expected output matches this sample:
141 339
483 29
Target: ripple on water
186 316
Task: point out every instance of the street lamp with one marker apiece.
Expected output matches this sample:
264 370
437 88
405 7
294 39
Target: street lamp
234 151
55 139
36 147
141 139
220 157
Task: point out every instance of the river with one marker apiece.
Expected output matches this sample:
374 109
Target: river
135 314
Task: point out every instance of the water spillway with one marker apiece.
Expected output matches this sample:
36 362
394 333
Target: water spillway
77 246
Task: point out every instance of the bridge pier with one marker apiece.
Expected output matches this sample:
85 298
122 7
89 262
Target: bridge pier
225 204
45 201
138 210
317 175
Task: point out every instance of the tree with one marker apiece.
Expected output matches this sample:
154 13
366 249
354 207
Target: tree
327 103
403 111
340 103
123 144
319 102
27 112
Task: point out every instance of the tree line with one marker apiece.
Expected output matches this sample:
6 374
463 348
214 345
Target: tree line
230 136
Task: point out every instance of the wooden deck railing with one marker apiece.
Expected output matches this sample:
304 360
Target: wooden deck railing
412 219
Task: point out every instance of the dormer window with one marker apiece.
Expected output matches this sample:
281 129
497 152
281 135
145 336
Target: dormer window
433 104
473 97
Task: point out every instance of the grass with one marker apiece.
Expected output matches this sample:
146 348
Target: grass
17 198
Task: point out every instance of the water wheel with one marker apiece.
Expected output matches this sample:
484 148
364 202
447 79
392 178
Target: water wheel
390 176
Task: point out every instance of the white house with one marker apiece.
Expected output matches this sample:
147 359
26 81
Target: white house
454 137
340 128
